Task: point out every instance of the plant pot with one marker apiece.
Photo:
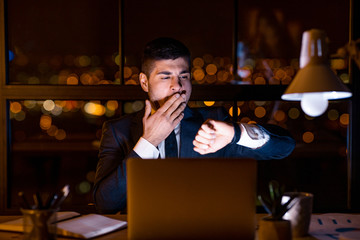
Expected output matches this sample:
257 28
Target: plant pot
270 229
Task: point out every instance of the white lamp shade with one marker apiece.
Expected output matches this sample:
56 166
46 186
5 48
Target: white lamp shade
316 78
315 74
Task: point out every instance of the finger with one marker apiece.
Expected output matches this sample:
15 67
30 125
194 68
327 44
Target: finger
206 134
147 109
208 126
179 103
177 112
201 150
178 119
200 145
170 102
204 140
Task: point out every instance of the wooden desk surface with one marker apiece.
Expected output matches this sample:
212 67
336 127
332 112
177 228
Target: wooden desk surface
120 234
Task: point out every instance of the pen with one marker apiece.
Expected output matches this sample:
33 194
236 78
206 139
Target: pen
64 193
23 202
51 200
38 201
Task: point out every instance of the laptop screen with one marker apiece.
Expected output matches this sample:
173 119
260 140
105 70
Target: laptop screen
204 198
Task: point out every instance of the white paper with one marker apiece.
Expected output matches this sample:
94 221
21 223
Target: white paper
330 225
89 226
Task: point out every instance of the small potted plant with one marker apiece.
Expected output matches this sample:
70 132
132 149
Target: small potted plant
274 227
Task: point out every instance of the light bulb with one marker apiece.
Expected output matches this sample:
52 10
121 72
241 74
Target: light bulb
314 104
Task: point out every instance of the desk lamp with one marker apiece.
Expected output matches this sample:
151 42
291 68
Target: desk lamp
315 83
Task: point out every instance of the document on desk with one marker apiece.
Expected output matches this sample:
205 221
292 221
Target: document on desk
72 224
330 226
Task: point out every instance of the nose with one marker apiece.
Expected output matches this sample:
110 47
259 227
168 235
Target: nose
176 84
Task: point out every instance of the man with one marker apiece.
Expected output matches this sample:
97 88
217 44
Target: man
202 132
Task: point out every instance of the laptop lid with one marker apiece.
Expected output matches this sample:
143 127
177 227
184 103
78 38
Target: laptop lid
204 198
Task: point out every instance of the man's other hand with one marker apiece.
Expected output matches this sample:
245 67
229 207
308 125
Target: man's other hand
212 136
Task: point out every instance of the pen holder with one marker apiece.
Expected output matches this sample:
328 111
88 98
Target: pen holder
39 224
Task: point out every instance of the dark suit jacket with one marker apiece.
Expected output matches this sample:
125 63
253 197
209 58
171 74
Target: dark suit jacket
120 136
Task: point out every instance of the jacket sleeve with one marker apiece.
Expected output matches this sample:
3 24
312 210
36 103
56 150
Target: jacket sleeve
110 180
280 145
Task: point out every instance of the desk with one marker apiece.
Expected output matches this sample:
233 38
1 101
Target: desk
122 234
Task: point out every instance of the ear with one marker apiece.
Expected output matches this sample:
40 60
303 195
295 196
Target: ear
144 82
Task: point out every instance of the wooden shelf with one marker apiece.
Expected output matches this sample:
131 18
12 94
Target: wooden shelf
130 92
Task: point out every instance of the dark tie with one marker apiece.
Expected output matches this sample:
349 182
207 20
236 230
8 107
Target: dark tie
171 146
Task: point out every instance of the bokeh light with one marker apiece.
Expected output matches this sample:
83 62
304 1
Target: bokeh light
20 116
29 104
15 107
259 103
280 116
294 113
127 72
112 105
49 105
84 61
72 80
128 107
260 112
344 119
83 187
52 131
198 62
308 137
209 103
90 176
245 120
57 110
137 106
198 74
94 108
117 60
231 111
45 122
211 69
260 81
333 114
60 134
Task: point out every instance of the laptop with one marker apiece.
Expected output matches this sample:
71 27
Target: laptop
202 198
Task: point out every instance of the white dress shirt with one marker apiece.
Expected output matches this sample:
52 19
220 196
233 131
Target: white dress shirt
148 151
251 137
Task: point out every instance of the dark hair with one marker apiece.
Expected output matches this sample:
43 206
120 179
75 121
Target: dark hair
162 49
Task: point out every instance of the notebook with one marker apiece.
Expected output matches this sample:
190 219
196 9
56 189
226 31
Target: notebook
204 198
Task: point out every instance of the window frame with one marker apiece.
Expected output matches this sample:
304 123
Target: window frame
128 93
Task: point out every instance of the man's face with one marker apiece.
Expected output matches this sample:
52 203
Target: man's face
167 78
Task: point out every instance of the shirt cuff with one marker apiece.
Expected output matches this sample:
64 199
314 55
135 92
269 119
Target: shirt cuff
145 149
252 136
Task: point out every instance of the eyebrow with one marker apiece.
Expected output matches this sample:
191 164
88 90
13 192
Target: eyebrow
169 73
